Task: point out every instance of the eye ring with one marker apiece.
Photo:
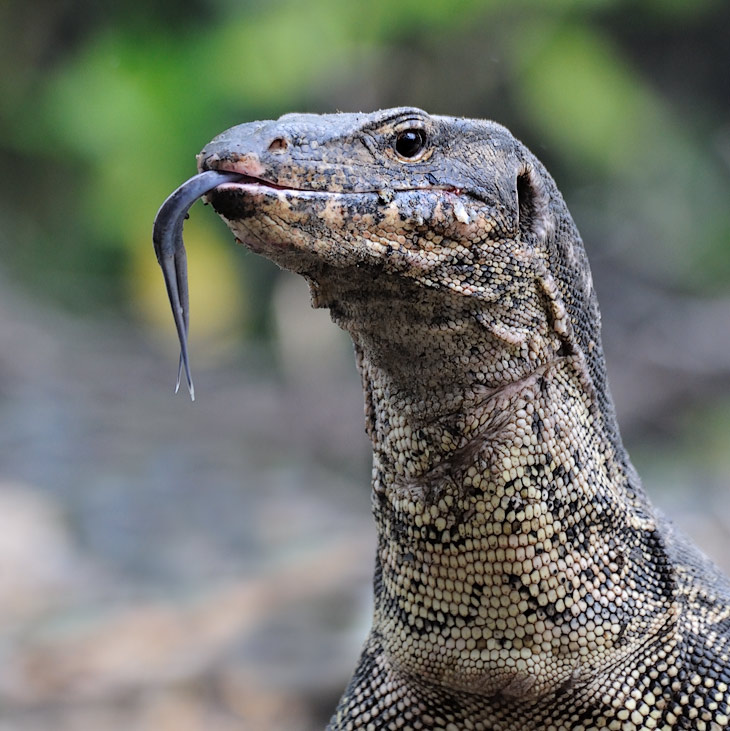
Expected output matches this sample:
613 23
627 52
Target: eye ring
410 143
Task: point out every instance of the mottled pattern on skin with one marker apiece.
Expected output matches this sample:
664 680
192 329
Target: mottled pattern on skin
523 580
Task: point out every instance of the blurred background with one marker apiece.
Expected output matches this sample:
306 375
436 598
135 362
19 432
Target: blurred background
168 565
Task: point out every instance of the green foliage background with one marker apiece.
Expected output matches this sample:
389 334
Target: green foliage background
104 106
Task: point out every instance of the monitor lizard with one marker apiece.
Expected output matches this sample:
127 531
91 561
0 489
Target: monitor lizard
523 581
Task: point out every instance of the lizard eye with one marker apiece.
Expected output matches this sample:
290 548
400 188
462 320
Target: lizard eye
409 143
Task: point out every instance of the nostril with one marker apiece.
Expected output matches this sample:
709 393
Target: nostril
279 144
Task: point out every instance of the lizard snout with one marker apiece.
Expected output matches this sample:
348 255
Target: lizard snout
244 163
243 149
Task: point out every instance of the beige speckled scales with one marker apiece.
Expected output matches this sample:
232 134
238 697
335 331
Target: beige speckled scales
523 580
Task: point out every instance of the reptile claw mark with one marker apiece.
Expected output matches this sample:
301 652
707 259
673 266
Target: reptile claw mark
167 236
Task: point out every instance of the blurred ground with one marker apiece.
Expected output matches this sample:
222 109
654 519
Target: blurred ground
168 565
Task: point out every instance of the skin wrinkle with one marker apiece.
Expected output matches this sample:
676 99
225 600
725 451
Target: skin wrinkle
522 578
424 487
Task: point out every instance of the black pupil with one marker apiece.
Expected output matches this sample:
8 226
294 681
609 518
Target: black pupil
409 143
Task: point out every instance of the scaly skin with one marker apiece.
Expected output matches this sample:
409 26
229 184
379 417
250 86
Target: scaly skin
523 580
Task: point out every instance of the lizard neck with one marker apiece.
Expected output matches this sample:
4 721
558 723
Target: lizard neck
513 549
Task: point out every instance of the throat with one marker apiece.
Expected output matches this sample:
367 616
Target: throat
510 551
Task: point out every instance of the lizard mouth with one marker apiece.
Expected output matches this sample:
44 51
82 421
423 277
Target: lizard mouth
245 178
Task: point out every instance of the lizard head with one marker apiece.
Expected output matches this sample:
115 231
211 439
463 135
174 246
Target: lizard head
447 203
451 206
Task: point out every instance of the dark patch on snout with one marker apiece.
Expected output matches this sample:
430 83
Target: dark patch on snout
232 204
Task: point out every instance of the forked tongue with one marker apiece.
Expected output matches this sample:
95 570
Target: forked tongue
167 236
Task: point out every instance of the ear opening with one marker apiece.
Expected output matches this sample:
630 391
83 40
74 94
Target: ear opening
533 216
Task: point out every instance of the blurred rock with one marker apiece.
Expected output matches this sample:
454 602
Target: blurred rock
38 564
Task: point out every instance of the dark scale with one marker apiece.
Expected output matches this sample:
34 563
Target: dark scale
523 580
